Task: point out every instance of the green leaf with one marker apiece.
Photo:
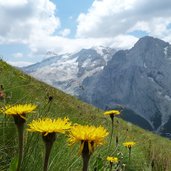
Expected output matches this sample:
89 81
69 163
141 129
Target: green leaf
98 165
13 165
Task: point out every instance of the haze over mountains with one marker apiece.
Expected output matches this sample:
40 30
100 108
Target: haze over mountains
138 79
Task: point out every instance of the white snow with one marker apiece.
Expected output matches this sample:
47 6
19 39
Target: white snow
86 62
167 97
145 66
165 51
64 69
99 50
152 79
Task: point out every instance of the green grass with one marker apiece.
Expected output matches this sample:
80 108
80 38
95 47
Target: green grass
20 88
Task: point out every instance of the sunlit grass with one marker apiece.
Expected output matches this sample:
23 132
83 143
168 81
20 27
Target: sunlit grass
151 152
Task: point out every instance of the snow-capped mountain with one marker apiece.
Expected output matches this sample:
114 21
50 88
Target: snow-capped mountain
67 71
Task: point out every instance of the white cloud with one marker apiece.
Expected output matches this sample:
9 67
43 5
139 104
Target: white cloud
61 45
9 3
19 63
109 18
65 32
23 19
123 42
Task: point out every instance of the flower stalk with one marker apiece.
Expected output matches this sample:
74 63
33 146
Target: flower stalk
48 128
112 114
19 122
129 145
111 165
112 119
117 140
19 112
49 139
129 154
86 156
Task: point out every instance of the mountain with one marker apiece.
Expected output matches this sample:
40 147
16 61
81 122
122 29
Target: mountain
138 79
150 151
67 71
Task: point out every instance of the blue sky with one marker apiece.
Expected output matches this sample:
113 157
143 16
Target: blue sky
69 10
32 28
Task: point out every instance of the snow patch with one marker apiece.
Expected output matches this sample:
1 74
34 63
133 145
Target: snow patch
167 97
151 78
145 66
86 62
165 51
99 50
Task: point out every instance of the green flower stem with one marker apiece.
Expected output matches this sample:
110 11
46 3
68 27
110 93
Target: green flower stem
86 156
111 165
48 140
19 122
129 154
112 119
20 129
117 140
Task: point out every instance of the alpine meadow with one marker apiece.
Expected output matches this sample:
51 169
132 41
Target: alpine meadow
84 137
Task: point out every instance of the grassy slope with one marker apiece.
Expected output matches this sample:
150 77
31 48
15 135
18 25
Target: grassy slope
20 88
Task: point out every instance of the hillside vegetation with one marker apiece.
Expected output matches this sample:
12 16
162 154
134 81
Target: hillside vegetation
151 152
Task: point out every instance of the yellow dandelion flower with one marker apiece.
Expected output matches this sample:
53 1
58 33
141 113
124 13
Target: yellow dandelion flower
112 159
87 135
47 125
18 112
112 112
19 109
129 144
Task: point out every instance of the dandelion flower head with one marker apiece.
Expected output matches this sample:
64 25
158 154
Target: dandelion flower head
112 112
92 135
129 144
18 109
47 125
112 159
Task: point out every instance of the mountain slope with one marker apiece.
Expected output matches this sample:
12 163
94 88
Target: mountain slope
138 79
67 71
20 88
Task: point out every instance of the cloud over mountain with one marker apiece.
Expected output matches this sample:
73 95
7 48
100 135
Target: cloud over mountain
108 18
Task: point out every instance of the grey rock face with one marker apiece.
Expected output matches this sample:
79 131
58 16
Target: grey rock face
139 78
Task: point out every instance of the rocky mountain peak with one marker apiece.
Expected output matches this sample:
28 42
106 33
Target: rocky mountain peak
137 79
148 42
